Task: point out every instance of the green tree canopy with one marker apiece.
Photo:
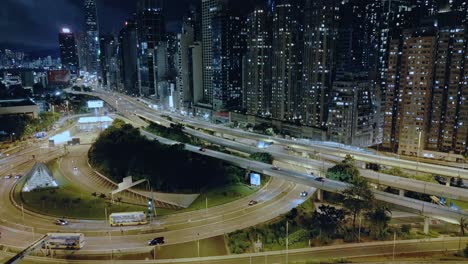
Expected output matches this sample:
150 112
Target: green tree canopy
346 171
327 219
122 151
262 157
358 197
379 217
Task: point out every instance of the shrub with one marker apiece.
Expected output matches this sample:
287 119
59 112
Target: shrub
406 228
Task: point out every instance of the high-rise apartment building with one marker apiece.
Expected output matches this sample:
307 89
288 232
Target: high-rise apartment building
449 117
409 90
287 60
151 31
352 111
383 19
190 73
210 9
351 46
257 63
320 35
426 107
227 51
128 52
92 36
108 46
68 51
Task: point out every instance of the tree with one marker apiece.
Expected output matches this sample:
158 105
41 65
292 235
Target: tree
328 219
357 197
262 157
346 171
379 219
462 226
118 123
292 214
76 88
465 251
459 182
349 160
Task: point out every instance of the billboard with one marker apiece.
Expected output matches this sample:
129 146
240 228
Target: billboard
58 77
95 104
255 179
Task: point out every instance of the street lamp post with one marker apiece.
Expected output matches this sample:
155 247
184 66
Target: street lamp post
419 149
287 240
198 244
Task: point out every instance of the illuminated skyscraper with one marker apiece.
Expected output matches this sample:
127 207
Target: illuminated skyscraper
257 63
287 60
128 52
226 51
210 9
426 106
320 33
68 51
151 30
108 46
92 36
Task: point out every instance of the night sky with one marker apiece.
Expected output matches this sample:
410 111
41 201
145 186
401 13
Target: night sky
31 25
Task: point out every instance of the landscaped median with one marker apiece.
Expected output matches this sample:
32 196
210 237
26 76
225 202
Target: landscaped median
68 200
220 184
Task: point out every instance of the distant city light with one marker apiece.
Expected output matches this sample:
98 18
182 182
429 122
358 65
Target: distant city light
66 30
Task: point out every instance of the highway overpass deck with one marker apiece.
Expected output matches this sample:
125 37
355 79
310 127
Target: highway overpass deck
399 183
413 205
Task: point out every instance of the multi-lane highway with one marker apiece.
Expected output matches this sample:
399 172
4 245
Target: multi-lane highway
383 251
431 210
133 106
277 197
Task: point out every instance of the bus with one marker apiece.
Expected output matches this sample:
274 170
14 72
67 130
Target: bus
64 241
128 219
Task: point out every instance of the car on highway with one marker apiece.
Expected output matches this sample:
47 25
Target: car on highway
320 179
17 176
156 241
252 202
275 168
202 150
61 222
440 179
75 168
304 194
7 176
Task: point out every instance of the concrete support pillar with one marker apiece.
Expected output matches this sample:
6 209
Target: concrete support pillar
426 225
402 193
319 195
447 183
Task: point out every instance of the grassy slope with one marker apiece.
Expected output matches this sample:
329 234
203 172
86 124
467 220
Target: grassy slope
63 202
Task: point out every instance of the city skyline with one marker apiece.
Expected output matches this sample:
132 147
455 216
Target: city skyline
261 131
20 21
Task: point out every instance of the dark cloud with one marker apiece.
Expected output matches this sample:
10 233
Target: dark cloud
36 23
